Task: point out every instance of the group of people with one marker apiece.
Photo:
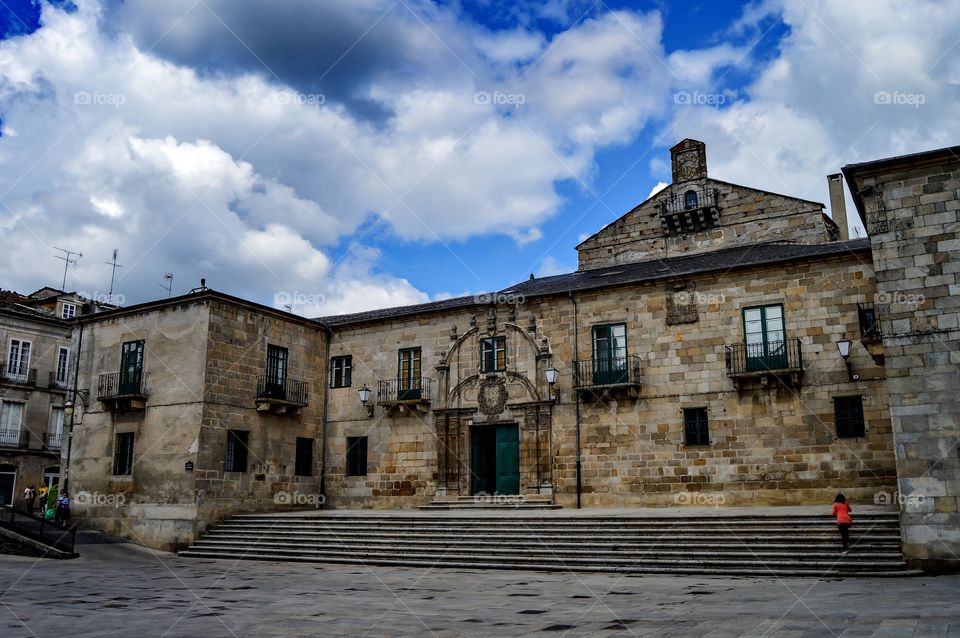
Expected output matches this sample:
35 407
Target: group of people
60 507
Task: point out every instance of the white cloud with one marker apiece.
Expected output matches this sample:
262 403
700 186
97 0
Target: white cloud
659 186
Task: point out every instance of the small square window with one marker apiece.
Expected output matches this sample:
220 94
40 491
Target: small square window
696 431
304 460
848 412
356 456
493 354
123 455
341 372
68 311
237 446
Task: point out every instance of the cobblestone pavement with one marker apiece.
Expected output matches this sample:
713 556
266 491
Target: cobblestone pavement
117 589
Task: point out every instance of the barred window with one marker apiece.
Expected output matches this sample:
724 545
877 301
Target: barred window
848 412
236 458
356 456
123 455
695 427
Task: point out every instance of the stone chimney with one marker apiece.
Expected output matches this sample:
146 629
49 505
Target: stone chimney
689 159
838 206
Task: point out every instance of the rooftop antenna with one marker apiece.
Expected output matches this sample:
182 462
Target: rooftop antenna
69 258
113 273
168 277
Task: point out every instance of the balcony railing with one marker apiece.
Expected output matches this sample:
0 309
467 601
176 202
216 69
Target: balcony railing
680 216
57 382
16 374
120 392
592 373
285 391
53 440
762 359
15 439
394 391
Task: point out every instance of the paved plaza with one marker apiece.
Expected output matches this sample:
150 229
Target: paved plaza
119 589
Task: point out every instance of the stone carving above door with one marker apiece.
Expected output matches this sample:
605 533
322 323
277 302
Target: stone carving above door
492 395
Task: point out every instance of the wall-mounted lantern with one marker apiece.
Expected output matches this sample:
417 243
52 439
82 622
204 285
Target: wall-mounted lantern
364 394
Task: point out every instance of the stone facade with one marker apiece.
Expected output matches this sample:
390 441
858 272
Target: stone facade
202 357
910 206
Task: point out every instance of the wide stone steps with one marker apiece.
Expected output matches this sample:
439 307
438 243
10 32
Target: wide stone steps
736 545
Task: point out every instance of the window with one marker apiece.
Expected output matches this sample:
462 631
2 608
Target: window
236 459
55 429
408 374
609 354
848 412
869 324
765 338
68 311
690 200
123 456
304 461
11 414
18 360
493 354
341 372
356 456
276 378
131 367
695 428
63 363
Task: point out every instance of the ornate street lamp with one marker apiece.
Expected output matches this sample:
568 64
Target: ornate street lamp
364 394
552 375
843 345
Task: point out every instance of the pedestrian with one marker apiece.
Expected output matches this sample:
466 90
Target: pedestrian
841 509
63 508
30 496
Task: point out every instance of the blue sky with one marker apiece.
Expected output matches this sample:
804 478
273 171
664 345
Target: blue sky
336 156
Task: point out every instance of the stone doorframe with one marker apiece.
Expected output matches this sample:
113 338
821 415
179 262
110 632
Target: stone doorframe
454 460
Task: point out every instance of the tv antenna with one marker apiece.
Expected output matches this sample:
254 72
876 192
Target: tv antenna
168 277
113 274
69 258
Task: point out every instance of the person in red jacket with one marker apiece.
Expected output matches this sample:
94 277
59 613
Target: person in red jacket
842 511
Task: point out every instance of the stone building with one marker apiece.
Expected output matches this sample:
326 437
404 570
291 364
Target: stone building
191 409
909 206
697 361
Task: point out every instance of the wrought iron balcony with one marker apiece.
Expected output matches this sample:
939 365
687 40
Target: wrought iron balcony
598 378
397 394
280 396
57 383
18 438
763 360
121 392
53 440
23 376
681 214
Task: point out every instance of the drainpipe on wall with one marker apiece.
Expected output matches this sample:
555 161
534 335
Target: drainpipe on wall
576 399
73 413
323 417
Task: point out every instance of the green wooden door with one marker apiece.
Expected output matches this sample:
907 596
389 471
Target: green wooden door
610 354
131 367
482 468
765 338
508 459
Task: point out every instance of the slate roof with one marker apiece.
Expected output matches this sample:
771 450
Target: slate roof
735 257
14 303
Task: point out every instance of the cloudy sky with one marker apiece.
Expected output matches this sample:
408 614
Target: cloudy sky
338 156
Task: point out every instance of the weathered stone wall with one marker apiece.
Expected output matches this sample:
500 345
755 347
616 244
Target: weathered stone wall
236 355
769 444
747 215
155 505
912 218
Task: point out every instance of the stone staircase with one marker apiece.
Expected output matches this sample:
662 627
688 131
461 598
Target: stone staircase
668 543
492 502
